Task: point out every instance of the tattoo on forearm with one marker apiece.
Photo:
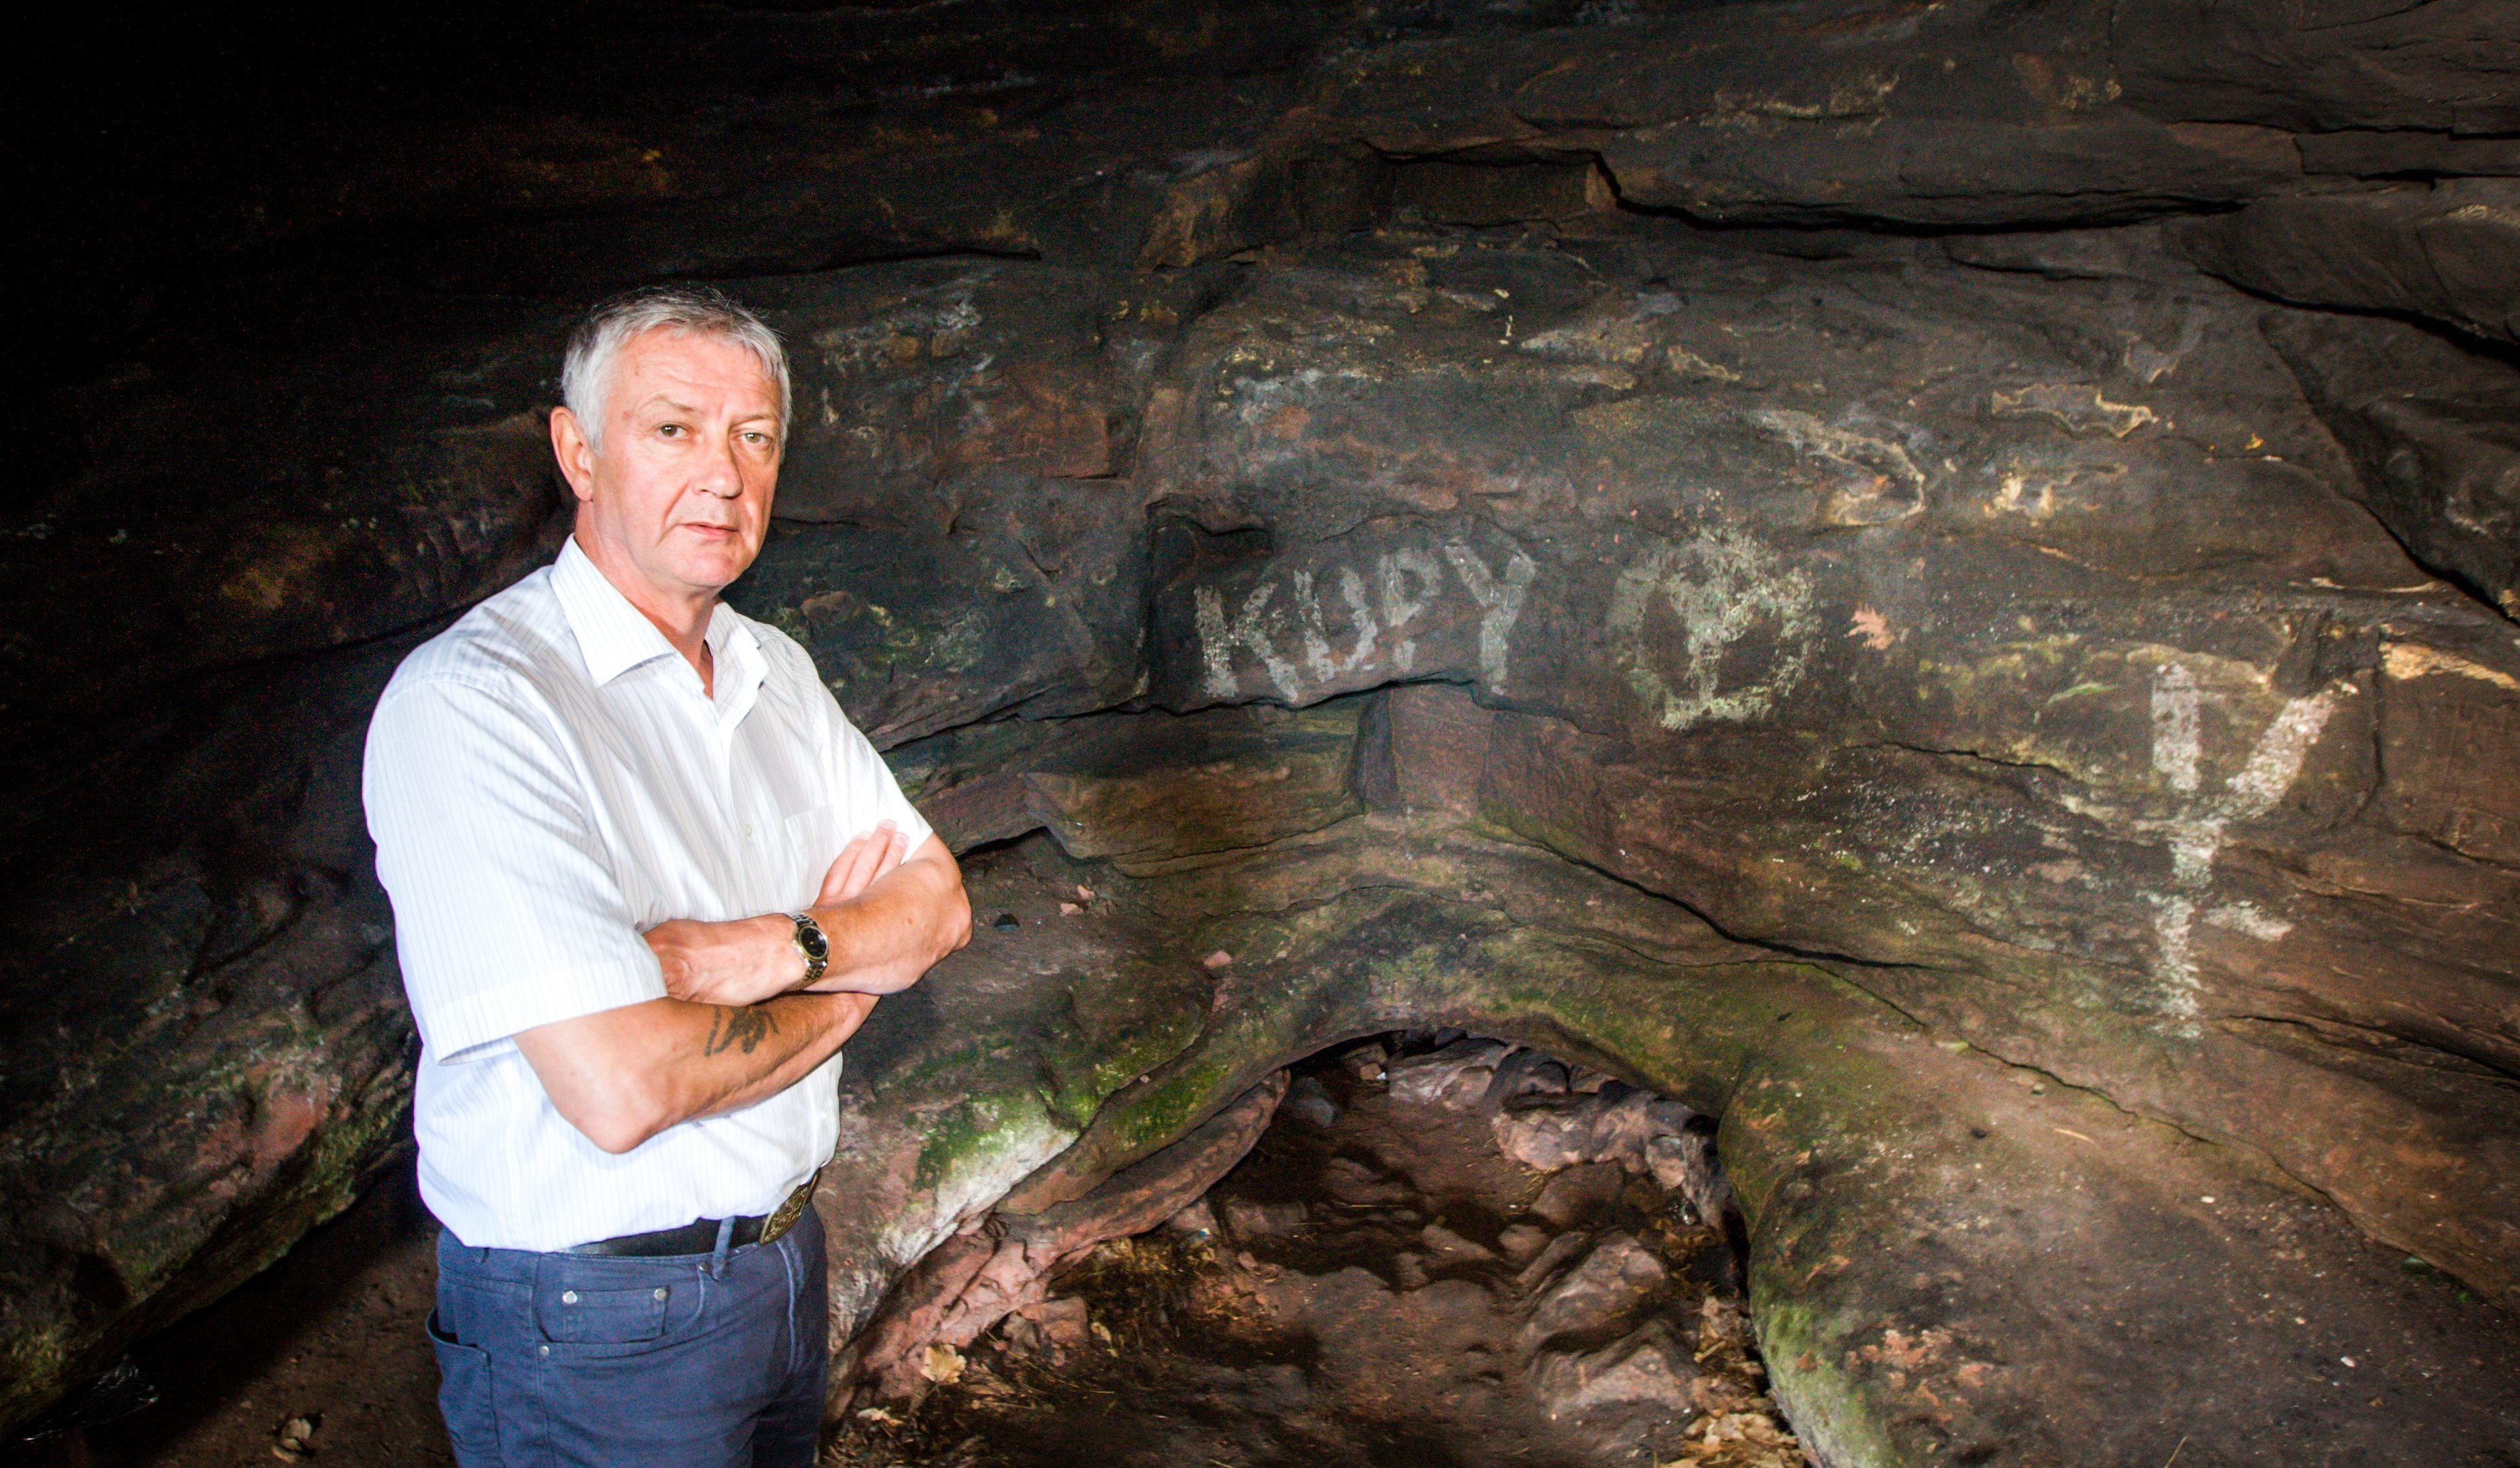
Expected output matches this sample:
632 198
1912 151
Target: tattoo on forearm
748 1027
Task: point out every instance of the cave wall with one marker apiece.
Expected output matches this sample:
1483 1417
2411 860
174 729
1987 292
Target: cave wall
1988 524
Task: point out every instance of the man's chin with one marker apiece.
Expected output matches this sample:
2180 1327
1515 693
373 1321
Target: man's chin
714 571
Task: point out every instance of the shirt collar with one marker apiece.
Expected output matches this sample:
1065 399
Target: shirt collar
614 636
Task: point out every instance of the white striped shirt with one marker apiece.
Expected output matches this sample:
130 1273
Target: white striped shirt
545 780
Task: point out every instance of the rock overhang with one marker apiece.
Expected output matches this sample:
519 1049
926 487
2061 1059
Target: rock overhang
1944 1245
1904 593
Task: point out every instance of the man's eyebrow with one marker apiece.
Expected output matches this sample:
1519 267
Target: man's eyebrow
676 405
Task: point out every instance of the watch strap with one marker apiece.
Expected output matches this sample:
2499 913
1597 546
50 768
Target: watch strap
812 944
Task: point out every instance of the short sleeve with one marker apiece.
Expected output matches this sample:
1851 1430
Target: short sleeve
507 913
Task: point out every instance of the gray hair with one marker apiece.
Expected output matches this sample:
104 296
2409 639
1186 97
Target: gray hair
585 368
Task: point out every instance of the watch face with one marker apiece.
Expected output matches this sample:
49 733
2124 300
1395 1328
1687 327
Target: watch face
809 937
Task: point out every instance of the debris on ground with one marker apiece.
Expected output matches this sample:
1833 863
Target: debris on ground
1386 1280
293 1441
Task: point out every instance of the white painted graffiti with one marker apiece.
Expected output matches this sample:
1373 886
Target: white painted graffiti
1295 645
1719 587
2195 832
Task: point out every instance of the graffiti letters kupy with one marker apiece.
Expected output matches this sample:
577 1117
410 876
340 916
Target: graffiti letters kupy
1290 636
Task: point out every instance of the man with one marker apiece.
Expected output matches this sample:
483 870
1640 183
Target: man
647 879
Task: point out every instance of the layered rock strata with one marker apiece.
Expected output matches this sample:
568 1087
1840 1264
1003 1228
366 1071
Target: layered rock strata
1936 585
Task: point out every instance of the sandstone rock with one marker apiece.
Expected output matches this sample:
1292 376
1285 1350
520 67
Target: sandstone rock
263 1070
1521 1243
2447 66
1196 1222
964 1287
1114 786
1746 659
1684 1163
1360 1184
2039 459
1450 1248
1646 1369
1573 1196
2428 427
1526 1073
1944 171
1309 1101
1366 1335
1612 1125
1600 1291
1553 1133
1456 1076
1056 1324
2446 252
1246 1220
2408 154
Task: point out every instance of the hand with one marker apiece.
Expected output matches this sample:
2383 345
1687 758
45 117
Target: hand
866 856
755 958
734 964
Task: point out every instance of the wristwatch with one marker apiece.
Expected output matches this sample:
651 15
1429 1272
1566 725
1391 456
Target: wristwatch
810 942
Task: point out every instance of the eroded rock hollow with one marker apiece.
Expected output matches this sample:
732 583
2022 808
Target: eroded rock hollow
1441 1249
1936 583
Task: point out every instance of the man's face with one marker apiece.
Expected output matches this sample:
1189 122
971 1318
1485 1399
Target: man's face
679 496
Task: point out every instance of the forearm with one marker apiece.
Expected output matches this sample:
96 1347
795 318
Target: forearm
624 1074
883 932
882 940
727 1058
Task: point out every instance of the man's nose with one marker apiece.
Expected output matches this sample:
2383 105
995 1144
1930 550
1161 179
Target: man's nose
721 472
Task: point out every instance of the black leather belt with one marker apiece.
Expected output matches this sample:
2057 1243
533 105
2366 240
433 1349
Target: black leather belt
700 1236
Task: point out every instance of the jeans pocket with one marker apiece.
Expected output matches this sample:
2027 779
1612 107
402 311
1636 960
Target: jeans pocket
464 1398
582 1315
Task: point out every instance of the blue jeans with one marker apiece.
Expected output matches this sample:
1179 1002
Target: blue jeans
553 1359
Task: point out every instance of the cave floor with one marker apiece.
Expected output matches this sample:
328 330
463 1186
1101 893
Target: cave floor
1377 1283
2045 1276
2140 1282
331 1336
1360 1291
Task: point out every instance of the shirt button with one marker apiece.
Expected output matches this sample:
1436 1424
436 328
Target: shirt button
546 1351
568 1296
660 1294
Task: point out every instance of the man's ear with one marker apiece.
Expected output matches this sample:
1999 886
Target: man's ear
575 455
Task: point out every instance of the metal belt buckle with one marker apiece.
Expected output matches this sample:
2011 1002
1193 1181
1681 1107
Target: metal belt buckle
785 1218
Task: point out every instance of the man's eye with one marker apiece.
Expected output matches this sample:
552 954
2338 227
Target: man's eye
670 431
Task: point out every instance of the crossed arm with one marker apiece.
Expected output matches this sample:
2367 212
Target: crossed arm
738 1024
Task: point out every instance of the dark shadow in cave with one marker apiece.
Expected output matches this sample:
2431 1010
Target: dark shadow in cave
1438 1239
330 1334
1444 1250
